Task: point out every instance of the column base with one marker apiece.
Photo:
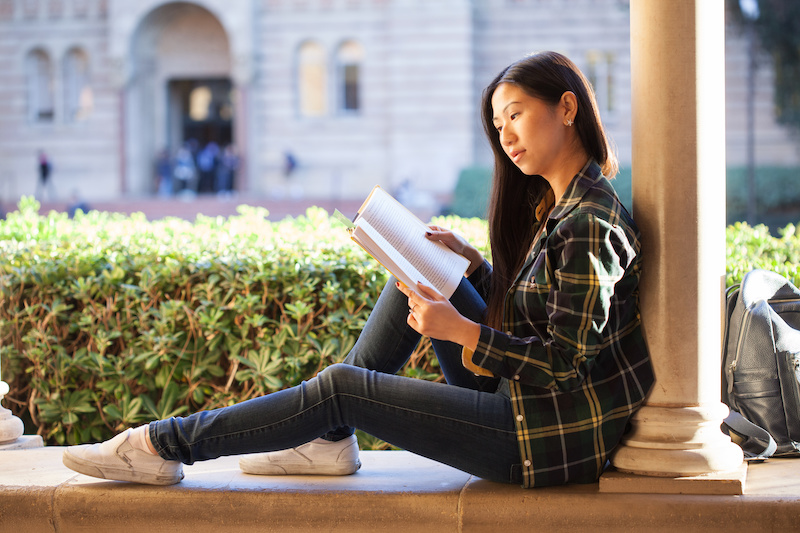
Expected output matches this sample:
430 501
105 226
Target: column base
721 483
676 442
11 427
24 442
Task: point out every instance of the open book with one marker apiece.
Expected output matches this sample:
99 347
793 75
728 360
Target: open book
395 237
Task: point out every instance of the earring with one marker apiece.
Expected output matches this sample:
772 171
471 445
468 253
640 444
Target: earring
569 122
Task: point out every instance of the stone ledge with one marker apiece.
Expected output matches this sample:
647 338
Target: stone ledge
22 443
393 491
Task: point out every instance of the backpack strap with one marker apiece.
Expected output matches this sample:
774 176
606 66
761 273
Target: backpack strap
758 443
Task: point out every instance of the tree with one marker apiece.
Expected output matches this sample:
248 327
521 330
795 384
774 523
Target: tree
777 27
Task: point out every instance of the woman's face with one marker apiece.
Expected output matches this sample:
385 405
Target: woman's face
532 132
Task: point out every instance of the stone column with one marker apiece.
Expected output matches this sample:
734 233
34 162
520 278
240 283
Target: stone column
678 113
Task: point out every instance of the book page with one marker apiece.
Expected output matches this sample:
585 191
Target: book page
437 265
382 251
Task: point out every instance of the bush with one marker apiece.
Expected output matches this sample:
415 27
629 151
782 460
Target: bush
750 247
109 321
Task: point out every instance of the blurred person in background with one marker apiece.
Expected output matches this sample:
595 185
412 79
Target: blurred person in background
44 168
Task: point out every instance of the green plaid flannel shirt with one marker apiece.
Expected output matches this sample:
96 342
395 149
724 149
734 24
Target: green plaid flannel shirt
572 350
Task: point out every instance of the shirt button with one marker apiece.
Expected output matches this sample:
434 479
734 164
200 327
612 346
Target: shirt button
516 377
520 418
527 462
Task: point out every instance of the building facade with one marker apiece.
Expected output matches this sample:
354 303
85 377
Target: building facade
320 98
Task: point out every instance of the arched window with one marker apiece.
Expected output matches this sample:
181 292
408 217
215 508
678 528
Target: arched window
39 74
348 62
78 98
311 80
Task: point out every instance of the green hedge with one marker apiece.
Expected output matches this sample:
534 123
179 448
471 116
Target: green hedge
109 321
755 247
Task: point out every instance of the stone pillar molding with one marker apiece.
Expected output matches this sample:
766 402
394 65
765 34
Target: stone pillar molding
678 114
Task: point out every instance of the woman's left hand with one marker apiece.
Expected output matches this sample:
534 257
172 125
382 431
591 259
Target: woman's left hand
458 244
431 314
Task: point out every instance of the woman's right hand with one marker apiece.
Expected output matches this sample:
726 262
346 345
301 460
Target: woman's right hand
458 244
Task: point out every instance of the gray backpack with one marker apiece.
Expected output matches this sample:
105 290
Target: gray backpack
761 365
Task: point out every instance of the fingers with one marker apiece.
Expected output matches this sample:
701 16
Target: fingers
412 305
404 289
413 298
429 313
437 233
417 311
427 292
421 293
418 302
448 238
412 321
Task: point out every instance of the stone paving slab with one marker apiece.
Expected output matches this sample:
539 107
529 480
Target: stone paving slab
393 491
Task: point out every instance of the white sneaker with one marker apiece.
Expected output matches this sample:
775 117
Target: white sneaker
117 459
319 456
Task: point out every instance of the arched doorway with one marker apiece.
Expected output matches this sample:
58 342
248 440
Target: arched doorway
180 97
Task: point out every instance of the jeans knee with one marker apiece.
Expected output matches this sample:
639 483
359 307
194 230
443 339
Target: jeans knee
340 380
337 374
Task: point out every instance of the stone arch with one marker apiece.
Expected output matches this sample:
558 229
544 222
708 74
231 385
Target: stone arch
173 48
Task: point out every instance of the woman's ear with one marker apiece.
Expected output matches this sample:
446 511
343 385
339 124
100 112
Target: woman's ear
569 106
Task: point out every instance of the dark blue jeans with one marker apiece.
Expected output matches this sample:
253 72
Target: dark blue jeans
465 423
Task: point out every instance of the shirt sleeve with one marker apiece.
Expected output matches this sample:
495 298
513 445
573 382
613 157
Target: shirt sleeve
585 258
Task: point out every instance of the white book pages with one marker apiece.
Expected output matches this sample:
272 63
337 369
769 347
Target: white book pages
398 242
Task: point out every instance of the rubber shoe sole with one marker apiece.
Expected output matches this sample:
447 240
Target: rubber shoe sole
318 457
285 469
117 460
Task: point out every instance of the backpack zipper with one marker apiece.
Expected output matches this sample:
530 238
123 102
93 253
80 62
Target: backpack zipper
745 320
732 366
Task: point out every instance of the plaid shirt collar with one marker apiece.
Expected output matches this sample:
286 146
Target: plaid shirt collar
577 189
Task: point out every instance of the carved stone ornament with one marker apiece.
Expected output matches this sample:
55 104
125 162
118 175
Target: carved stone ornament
11 427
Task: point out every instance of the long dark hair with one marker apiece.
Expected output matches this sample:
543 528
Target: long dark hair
547 76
